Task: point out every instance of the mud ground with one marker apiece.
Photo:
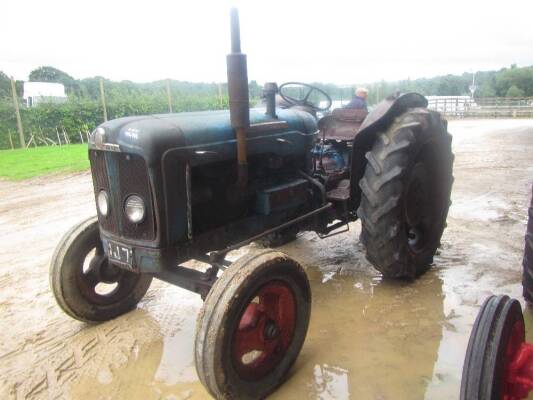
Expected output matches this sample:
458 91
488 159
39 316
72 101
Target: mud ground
368 339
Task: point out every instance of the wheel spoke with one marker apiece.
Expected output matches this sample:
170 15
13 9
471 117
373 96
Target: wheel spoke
307 95
90 278
249 339
99 250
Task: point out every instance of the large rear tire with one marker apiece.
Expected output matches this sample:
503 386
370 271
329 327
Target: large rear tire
79 265
527 277
406 194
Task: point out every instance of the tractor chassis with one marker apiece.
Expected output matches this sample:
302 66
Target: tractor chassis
201 282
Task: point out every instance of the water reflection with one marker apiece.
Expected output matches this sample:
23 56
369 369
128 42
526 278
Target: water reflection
368 339
160 364
331 382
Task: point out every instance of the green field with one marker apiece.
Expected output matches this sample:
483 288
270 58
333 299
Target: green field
36 161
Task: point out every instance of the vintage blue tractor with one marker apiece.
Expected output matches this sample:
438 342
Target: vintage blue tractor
195 186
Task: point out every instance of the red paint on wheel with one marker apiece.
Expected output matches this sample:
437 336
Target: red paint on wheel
518 367
265 331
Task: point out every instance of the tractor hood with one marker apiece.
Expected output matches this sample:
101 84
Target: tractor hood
151 136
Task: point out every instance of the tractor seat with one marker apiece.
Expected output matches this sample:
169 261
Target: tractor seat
342 123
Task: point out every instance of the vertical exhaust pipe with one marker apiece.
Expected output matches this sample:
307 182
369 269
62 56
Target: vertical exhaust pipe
239 105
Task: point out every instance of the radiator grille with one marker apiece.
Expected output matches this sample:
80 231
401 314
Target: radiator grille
130 177
134 180
101 182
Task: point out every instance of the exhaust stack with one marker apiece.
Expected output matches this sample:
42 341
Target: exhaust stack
239 104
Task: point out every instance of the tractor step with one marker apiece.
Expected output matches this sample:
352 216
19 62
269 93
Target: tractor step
341 192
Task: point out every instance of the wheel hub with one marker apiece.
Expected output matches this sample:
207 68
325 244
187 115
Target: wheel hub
271 330
100 271
416 207
265 331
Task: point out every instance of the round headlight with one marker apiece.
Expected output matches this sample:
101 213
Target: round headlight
102 201
99 136
134 209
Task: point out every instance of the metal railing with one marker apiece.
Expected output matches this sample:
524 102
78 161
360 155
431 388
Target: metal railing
488 107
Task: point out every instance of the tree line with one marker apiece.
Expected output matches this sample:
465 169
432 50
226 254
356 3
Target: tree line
83 109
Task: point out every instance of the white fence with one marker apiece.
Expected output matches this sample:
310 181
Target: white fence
489 107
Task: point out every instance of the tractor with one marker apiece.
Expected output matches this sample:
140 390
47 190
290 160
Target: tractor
194 186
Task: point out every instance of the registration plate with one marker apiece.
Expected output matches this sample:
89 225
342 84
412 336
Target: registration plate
120 254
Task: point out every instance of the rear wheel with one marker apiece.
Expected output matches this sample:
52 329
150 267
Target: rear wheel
406 194
527 277
86 286
497 362
252 326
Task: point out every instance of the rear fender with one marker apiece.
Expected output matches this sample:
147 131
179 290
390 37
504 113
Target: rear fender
379 119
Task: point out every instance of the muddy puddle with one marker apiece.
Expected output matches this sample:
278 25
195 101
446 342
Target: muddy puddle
368 338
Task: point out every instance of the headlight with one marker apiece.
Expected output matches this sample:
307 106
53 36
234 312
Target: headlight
102 201
134 209
97 137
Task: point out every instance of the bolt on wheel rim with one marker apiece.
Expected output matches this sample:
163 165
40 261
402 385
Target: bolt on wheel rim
264 331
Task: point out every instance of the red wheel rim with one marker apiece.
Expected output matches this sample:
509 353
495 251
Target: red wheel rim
518 365
265 331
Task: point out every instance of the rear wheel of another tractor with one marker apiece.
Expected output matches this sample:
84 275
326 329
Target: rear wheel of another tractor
527 277
252 326
86 286
498 362
406 194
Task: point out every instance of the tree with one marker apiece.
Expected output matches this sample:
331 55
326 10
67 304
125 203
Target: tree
5 85
486 90
514 92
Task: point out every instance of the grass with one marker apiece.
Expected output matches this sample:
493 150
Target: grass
37 161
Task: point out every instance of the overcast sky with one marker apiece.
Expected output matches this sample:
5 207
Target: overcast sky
335 41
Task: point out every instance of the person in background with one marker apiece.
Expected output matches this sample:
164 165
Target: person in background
359 101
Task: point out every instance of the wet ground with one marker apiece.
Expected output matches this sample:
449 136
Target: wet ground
368 338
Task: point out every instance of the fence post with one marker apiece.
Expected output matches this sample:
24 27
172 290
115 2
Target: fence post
67 140
58 139
102 95
11 140
17 112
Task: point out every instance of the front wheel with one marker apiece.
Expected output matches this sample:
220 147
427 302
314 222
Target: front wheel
252 326
405 194
86 286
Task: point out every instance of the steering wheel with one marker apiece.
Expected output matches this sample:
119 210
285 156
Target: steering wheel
304 100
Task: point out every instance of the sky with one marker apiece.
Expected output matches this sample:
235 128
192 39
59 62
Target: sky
342 42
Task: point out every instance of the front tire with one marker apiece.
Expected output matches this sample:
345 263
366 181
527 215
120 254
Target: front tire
79 265
252 326
406 194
